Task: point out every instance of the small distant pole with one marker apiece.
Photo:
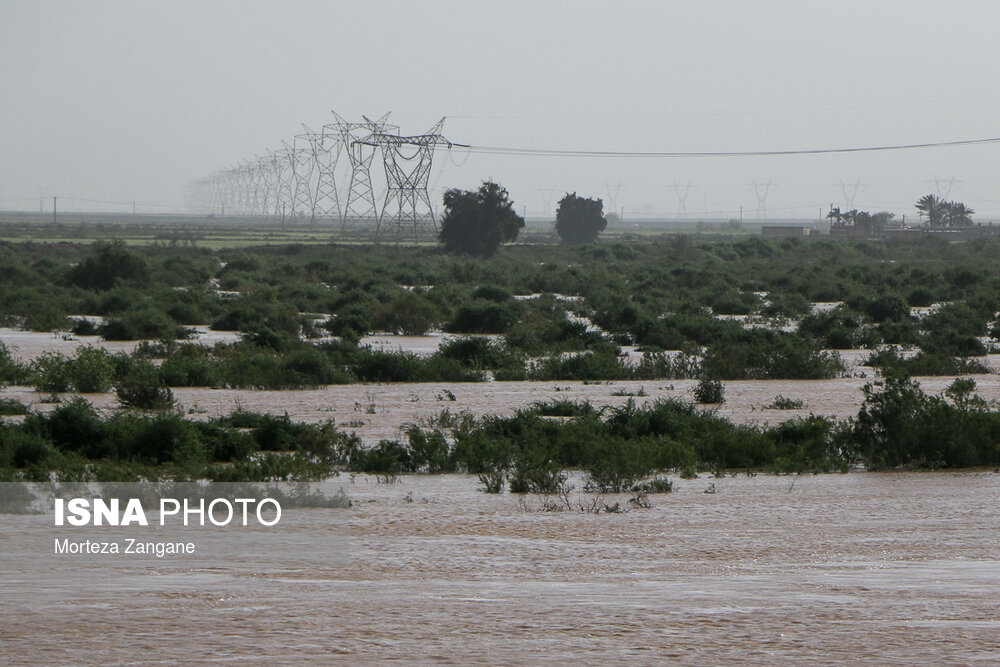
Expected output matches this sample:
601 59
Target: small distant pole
54 210
741 215
133 208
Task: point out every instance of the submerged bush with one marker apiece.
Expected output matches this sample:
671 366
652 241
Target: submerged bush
710 392
900 425
90 370
11 371
890 361
144 389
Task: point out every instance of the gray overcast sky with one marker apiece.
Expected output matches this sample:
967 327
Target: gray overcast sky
131 100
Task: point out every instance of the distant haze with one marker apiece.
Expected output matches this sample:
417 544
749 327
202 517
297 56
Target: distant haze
103 103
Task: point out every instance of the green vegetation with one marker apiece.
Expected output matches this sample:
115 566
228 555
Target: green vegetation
78 444
783 403
942 213
477 223
619 449
676 294
580 219
710 392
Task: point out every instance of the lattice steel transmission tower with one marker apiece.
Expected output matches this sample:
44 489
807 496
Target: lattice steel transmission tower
284 165
546 196
943 186
407 162
304 167
261 173
360 206
326 147
850 192
682 192
761 190
613 190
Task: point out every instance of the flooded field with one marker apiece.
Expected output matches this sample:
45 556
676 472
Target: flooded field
378 411
892 568
886 568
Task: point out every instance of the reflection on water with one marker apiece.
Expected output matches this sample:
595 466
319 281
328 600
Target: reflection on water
884 568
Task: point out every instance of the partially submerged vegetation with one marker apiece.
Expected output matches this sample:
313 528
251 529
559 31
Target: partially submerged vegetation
731 308
721 310
626 448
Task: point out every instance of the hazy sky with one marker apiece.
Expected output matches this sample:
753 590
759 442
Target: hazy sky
132 100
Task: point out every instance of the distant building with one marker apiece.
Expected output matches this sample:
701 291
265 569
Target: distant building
785 230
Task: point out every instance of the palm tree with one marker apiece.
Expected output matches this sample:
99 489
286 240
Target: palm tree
957 214
933 208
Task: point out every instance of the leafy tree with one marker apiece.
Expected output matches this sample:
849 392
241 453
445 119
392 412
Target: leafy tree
580 219
410 313
112 261
477 222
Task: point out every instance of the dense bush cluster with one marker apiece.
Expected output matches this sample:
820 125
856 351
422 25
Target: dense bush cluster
79 444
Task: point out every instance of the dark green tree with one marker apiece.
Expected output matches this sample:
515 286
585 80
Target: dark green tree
111 262
478 222
580 219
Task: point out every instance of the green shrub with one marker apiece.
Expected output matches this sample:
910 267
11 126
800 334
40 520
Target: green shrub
476 352
429 450
144 389
617 465
710 392
899 425
12 406
147 323
586 366
11 370
410 313
483 317
766 355
889 361
110 263
90 370
388 457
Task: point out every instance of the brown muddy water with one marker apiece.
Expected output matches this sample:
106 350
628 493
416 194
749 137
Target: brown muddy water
887 568
379 411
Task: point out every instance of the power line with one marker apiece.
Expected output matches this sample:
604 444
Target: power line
542 152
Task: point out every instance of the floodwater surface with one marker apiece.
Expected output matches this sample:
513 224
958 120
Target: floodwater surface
885 568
